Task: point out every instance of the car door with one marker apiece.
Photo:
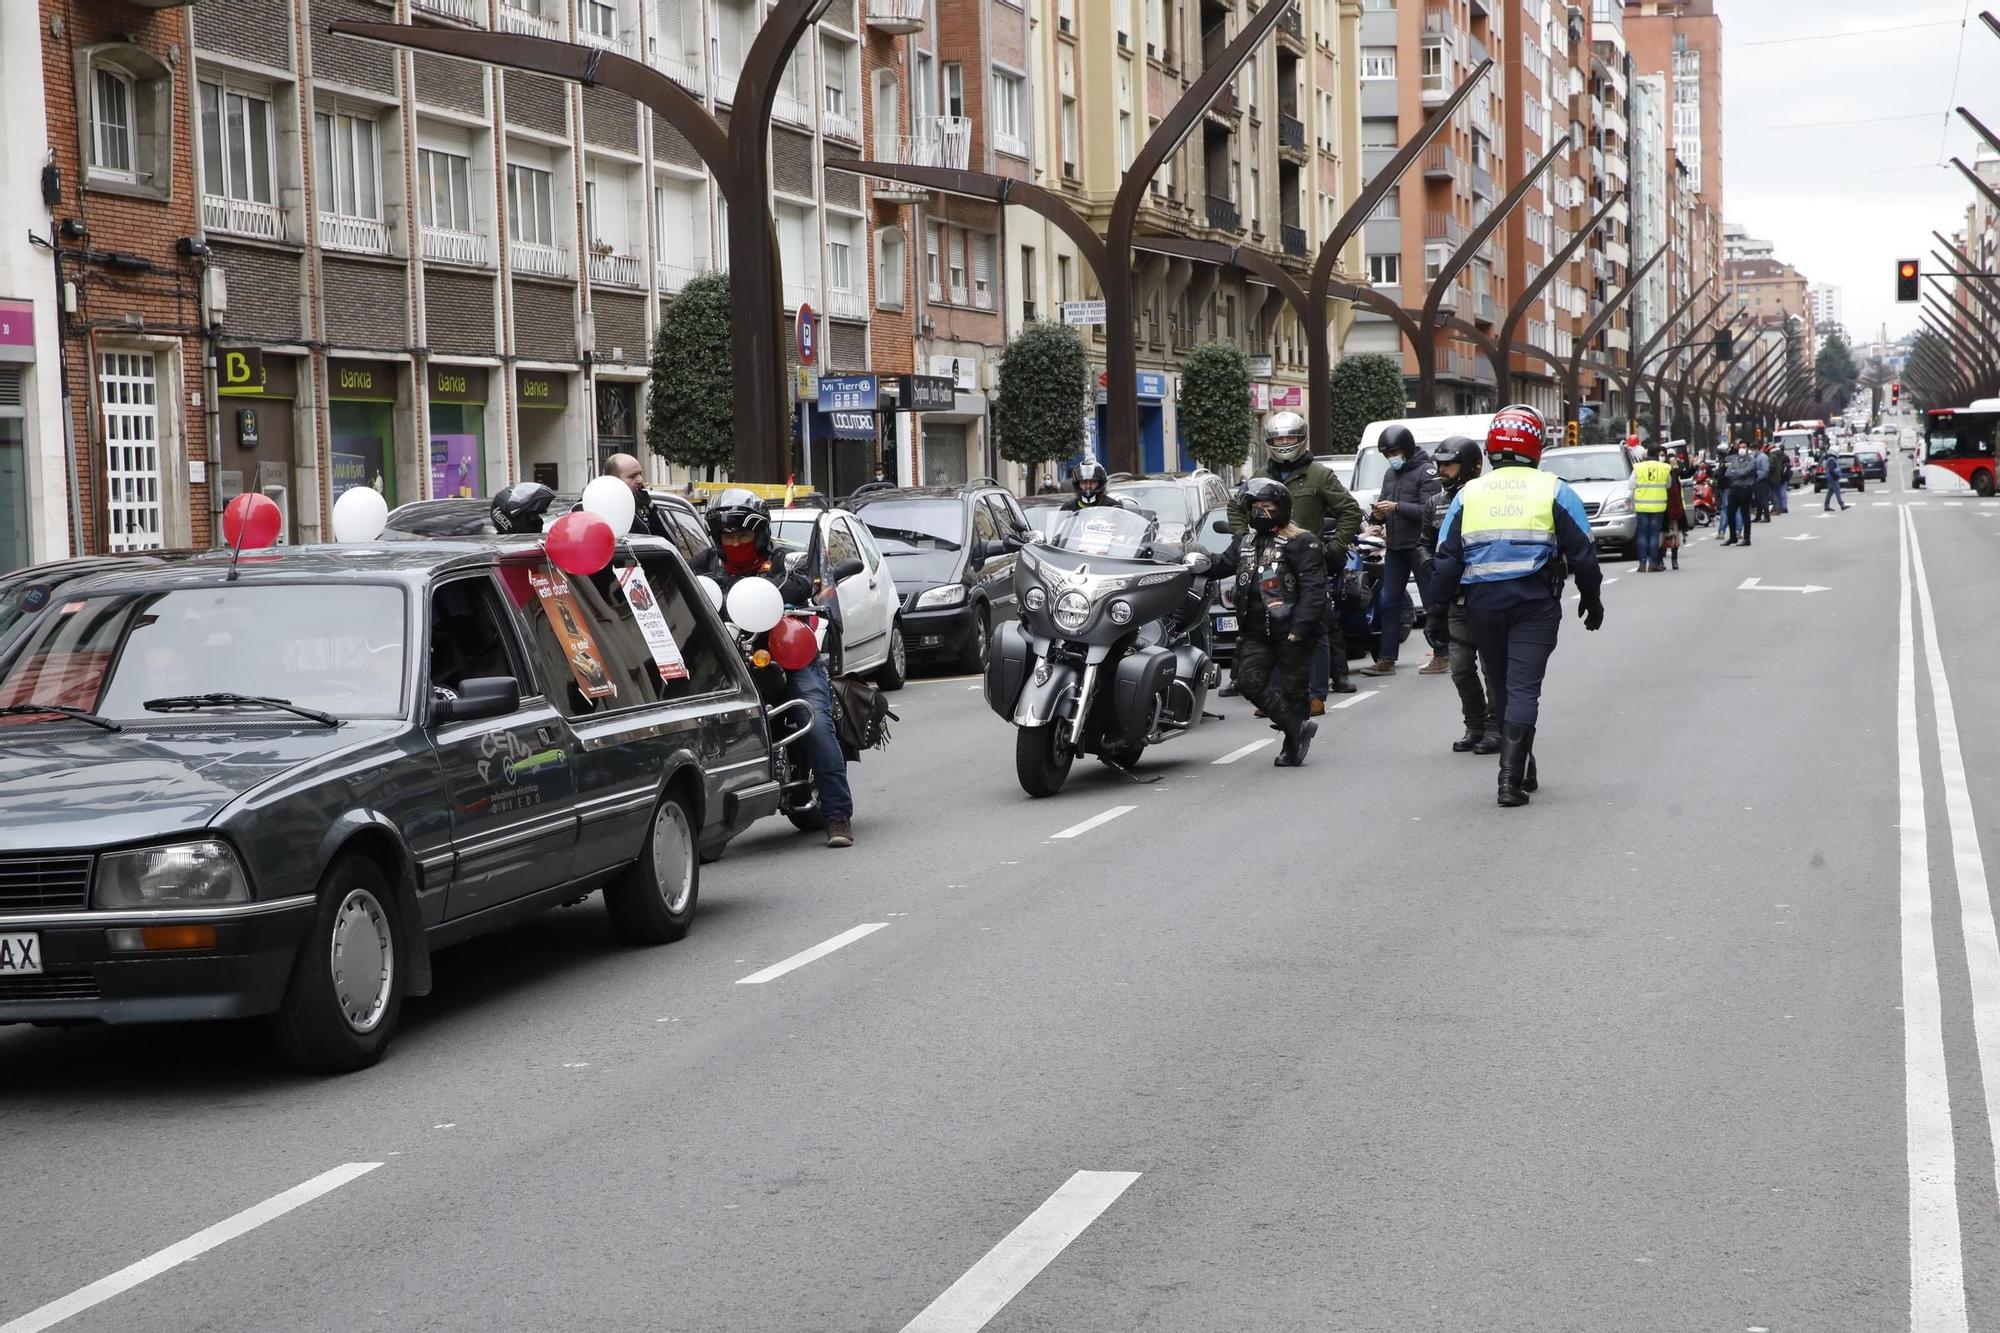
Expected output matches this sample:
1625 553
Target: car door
865 614
509 781
996 573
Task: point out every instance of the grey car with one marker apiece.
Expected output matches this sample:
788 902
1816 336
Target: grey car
276 789
1601 476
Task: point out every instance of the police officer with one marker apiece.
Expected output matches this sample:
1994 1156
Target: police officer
1650 481
1459 462
1506 539
1280 603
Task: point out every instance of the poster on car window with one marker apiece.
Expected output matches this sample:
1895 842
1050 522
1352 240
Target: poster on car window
1096 534
585 662
652 623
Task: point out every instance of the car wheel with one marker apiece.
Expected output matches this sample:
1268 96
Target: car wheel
1982 483
972 658
1042 758
897 668
652 901
346 990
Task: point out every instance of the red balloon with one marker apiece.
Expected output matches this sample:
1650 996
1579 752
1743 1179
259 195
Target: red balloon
580 543
792 644
251 521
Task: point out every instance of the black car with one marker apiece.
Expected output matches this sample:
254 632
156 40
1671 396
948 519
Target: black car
1873 464
26 593
947 548
673 515
273 789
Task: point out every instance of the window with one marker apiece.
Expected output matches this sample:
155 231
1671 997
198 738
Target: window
933 264
1378 132
111 101
1063 288
1437 68
839 265
349 177
954 89
467 642
840 543
955 263
598 19
701 652
444 190
1028 310
1378 62
1069 136
839 74
617 667
889 261
531 205
235 145
982 272
1009 128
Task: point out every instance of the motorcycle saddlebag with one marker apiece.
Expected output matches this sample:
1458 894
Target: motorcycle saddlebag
1189 686
1007 661
1143 677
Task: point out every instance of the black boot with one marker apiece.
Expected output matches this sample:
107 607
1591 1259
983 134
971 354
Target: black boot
1515 743
1529 781
1475 732
1489 743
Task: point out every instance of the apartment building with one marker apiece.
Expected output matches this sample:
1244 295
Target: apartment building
1612 258
1682 39
1650 164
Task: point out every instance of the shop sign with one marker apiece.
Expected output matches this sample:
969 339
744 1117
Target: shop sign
368 381
241 370
849 393
543 388
458 384
928 393
843 425
1263 367
1284 396
17 330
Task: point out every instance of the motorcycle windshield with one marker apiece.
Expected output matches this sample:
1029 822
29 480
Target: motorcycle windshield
1104 531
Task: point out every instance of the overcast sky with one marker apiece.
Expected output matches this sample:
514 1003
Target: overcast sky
1842 200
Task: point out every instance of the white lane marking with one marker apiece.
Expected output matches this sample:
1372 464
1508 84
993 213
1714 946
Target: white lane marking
1884 504
200 1243
1937 1257
1096 821
1982 940
1953 504
968 1304
1361 698
1803 537
817 952
1758 585
1246 751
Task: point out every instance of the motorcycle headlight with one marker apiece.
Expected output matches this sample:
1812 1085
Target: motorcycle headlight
1072 609
1035 599
184 874
951 594
1121 612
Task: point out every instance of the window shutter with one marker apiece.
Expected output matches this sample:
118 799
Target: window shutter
10 386
982 272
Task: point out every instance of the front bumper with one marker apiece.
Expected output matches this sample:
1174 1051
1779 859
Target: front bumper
1615 529
939 631
84 980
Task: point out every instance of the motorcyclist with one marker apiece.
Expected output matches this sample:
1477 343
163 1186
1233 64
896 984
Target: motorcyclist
1092 485
1460 461
519 508
740 522
1321 506
1281 594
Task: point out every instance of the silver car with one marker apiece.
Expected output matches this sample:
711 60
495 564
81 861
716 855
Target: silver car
1601 476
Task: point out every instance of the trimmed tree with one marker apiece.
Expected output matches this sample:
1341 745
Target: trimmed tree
1045 393
1215 412
1366 389
1835 370
690 398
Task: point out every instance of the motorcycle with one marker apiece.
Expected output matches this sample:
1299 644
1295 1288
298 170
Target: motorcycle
1702 511
1103 660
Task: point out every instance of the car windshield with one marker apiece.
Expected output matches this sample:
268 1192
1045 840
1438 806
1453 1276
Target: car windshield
904 527
1588 465
1171 502
1369 469
1104 530
339 649
795 533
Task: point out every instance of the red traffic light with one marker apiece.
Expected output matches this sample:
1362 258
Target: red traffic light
1907 274
1908 269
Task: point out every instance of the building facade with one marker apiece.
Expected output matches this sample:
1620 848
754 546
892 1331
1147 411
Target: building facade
1683 40
1824 299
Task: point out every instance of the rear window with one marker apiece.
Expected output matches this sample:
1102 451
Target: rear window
1588 464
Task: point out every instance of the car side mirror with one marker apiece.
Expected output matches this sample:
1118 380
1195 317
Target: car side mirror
847 569
994 547
480 696
1014 541
1220 525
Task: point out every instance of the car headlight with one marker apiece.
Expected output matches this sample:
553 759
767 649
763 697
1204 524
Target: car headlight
951 594
183 874
1617 504
1072 610
1121 612
1035 599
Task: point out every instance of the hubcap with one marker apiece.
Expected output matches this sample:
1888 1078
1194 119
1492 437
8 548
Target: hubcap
363 960
896 652
673 857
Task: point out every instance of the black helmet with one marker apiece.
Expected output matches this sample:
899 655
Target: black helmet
1396 440
740 510
519 508
1464 452
1090 471
1270 490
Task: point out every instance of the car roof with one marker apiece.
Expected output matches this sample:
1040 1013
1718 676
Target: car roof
965 492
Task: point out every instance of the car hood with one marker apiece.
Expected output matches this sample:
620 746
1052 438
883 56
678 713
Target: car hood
1597 492
922 569
65 786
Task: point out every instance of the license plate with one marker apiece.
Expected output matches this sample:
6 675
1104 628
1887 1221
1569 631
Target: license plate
1225 624
20 954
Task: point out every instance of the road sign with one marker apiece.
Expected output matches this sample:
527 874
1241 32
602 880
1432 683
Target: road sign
1263 367
808 384
1083 312
805 334
1758 585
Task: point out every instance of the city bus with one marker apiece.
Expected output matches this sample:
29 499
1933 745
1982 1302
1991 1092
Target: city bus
1960 440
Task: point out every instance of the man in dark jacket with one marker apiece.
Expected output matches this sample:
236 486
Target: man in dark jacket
1281 597
1459 461
1408 487
1739 471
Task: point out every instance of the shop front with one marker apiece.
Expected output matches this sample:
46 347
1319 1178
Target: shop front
458 431
617 421
954 433
1153 394
259 400
844 439
546 456
17 358
361 410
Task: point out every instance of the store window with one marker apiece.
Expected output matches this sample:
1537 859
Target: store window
361 407
458 431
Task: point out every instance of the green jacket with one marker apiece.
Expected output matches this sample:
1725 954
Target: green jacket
1318 501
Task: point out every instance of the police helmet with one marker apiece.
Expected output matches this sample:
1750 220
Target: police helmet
1516 436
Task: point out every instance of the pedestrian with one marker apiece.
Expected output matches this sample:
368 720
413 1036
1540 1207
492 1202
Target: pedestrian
1781 479
1677 525
1459 461
1320 505
1739 471
1761 491
1829 463
1651 481
1281 593
1510 538
1408 487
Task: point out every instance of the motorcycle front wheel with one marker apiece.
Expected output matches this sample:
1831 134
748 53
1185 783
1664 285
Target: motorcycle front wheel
1042 758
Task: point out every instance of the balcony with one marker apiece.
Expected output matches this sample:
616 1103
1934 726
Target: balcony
1225 110
1294 240
672 277
616 270
1442 226
1223 214
537 260
1484 311
465 11
837 126
846 304
1438 87
894 18
366 236
800 293
1291 132
1293 25
526 22
685 72
266 222
448 246
1440 162
941 141
1438 22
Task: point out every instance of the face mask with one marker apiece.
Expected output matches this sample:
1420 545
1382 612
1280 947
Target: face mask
1397 463
1263 520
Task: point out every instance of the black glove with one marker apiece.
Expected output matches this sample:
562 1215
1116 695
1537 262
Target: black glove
1591 609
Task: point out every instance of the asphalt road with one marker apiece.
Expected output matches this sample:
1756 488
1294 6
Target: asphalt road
1692 1043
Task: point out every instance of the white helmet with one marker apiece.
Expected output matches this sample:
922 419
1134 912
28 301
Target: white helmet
1285 437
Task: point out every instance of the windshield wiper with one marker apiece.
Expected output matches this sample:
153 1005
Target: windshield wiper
59 710
184 702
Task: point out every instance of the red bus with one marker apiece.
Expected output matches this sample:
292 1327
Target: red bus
1960 440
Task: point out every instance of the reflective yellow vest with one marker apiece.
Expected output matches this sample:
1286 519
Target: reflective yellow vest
1650 482
1507 523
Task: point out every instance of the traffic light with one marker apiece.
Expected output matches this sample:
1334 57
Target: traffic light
1573 434
1907 274
1896 394
1725 343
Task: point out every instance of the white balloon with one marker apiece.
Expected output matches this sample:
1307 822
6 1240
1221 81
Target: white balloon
711 590
359 515
754 605
611 500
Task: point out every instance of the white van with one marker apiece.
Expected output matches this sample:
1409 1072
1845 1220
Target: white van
1366 479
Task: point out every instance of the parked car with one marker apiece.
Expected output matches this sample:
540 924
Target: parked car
867 638
947 547
452 518
275 790
1369 466
1601 476
1175 501
1342 465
